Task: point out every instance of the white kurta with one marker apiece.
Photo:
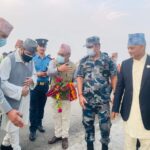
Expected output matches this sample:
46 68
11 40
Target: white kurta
134 126
15 91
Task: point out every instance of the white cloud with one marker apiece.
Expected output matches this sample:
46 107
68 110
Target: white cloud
106 11
72 21
112 15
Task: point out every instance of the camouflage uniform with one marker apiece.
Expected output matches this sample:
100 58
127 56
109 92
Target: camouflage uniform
97 90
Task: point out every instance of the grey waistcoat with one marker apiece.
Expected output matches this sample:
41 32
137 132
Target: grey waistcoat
19 73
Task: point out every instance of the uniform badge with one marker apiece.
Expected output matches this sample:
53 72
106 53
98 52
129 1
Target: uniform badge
148 66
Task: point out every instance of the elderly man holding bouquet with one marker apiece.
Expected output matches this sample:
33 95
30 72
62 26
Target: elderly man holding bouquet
62 92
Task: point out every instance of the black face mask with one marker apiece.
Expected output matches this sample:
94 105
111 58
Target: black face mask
26 58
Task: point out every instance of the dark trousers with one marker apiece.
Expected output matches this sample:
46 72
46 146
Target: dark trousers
37 104
103 112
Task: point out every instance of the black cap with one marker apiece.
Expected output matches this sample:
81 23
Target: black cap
42 42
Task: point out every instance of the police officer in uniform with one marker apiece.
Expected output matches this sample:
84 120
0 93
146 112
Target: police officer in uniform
96 77
38 95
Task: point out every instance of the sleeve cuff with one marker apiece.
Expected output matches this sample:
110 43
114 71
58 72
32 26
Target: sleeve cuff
80 76
5 106
53 71
19 94
115 110
34 83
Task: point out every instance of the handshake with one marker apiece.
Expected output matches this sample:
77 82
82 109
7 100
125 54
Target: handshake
26 85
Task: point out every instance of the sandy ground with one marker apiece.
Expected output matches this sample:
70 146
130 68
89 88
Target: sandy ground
76 139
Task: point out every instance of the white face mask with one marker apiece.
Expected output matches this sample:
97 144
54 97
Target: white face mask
91 52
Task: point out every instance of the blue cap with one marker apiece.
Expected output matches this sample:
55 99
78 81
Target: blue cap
30 45
90 41
136 39
42 42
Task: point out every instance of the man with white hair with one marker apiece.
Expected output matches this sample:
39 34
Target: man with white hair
62 68
19 44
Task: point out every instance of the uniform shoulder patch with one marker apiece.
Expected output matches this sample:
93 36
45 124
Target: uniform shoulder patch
49 56
105 54
84 58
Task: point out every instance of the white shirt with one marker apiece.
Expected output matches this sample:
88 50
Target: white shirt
134 126
12 90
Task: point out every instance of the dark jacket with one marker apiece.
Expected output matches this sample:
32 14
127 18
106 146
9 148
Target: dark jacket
124 92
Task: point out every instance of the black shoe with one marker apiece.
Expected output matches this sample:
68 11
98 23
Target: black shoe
65 143
6 147
90 146
41 129
32 136
104 147
138 145
54 140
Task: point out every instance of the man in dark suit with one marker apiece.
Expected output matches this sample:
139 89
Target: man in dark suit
133 94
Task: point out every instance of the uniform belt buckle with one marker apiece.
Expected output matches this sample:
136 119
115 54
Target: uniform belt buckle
41 83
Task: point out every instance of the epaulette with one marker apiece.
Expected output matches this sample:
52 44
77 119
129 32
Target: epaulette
84 58
49 56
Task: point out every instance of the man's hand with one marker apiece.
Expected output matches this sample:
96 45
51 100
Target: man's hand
25 90
82 101
28 81
15 117
114 115
64 68
41 74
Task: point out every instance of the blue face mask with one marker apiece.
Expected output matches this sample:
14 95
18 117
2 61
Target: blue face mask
91 52
60 59
2 42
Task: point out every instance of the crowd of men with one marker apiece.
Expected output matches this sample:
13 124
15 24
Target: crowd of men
27 74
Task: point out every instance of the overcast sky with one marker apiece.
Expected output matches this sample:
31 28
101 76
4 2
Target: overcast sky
72 21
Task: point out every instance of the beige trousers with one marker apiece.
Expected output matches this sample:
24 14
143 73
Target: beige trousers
62 120
130 143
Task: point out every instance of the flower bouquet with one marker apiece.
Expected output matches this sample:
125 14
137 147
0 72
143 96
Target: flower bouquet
62 91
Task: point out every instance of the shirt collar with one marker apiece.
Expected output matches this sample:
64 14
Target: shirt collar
38 56
18 56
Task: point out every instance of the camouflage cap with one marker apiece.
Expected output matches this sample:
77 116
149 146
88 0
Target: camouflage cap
90 41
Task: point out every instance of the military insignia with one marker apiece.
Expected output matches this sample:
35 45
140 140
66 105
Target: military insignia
148 66
106 73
